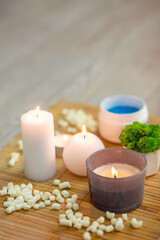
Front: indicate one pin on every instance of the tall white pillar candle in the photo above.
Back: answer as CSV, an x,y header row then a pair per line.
x,y
38,145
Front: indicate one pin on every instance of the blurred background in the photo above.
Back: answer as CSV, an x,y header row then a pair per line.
x,y
78,50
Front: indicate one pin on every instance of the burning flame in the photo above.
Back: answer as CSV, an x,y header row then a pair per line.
x,y
37,111
84,131
114,172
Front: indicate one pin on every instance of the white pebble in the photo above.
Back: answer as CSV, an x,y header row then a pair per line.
x,y
36,206
10,185
69,211
47,202
20,145
86,236
119,226
78,225
119,220
114,221
99,233
65,222
135,223
46,196
60,199
35,192
109,228
26,206
62,216
52,198
42,205
86,218
10,209
65,194
110,215
95,223
31,202
72,218
56,206
74,197
100,220
70,200
92,229
56,192
102,227
56,182
37,197
7,204
64,185
75,206
78,215
124,216
63,123
22,185
10,199
85,223
18,207
69,205
65,111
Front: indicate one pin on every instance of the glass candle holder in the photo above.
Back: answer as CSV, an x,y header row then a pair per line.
x,y
117,195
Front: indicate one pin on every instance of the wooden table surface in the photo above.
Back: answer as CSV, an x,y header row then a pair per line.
x,y
43,224
79,50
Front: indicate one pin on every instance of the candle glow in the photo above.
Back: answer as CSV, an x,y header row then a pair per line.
x,y
114,172
84,131
37,111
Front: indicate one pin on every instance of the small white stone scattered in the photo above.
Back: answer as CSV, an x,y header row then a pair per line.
x,y
125,216
42,205
56,192
52,198
85,223
36,206
75,206
86,218
95,223
69,211
135,223
26,206
62,216
64,185
110,215
56,206
92,229
99,232
31,202
78,225
13,159
65,111
114,221
37,197
119,226
74,197
100,220
78,215
18,207
69,205
46,196
69,200
102,227
7,204
47,202
35,192
60,199
56,182
65,222
109,228
65,194
10,209
86,236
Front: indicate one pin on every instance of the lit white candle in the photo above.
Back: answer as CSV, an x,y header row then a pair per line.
x,y
38,145
116,170
78,149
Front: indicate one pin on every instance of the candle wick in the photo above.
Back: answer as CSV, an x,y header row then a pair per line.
x,y
115,176
84,136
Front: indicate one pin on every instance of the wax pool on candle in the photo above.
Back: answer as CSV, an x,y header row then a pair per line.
x,y
122,170
38,145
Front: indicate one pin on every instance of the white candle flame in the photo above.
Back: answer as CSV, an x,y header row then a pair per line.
x,y
84,131
37,111
114,172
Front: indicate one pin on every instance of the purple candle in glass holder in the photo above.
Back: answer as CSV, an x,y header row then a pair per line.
x,y
120,190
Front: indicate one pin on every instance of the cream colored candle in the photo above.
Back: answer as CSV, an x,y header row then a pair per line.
x,y
38,145
116,170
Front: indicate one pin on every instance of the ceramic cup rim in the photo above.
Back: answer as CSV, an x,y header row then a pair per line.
x,y
116,179
105,100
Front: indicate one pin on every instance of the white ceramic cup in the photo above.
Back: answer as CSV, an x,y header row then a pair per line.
x,y
111,124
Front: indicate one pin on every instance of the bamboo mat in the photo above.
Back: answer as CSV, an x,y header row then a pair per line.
x,y
43,224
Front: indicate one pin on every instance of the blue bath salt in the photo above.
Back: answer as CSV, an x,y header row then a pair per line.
x,y
123,109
